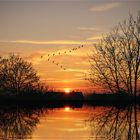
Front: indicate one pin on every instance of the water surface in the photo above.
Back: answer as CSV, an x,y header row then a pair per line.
x,y
69,123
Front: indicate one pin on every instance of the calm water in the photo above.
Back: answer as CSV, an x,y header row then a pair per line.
x,y
69,123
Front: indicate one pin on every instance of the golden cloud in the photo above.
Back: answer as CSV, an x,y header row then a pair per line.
x,y
105,7
52,42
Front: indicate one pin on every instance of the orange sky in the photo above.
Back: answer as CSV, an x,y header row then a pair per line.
x,y
34,28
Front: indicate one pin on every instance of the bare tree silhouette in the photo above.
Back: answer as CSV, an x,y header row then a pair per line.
x,y
18,122
116,124
115,62
16,74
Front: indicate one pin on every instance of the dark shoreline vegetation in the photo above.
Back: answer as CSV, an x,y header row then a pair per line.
x,y
61,99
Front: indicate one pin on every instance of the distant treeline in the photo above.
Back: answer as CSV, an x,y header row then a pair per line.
x,y
49,96
76,98
111,99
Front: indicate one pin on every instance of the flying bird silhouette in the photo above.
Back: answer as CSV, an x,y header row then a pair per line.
x,y
59,53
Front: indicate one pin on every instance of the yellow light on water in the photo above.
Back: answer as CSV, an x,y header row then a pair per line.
x,y
67,109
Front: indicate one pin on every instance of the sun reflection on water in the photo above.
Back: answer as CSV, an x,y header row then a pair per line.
x,y
67,109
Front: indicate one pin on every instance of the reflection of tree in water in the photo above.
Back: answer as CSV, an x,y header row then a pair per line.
x,y
18,123
116,124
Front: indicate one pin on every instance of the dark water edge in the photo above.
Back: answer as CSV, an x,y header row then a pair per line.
x,y
71,103
73,99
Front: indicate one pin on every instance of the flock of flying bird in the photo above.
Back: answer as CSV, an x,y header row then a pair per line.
x,y
59,53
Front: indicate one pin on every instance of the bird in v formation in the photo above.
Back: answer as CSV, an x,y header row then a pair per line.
x,y
73,49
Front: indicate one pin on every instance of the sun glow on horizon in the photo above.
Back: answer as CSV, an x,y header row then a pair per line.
x,y
67,90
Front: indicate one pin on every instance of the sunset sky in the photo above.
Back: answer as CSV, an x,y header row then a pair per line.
x,y
36,28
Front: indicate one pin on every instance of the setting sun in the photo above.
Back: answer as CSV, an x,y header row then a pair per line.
x,y
67,90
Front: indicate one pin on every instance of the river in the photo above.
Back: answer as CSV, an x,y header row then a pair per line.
x,y
69,122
